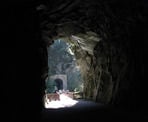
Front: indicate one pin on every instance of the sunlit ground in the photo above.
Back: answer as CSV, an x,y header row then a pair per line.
x,y
64,102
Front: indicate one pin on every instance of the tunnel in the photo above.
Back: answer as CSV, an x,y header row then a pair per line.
x,y
59,84
109,40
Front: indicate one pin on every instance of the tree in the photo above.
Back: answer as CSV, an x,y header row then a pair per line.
x,y
61,61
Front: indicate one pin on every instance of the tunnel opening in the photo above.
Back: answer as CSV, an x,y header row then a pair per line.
x,y
64,84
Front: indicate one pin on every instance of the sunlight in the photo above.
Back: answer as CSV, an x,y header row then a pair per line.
x,y
64,102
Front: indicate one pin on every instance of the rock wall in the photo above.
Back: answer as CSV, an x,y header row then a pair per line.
x,y
112,62
22,63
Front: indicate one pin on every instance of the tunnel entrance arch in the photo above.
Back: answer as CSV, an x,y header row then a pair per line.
x,y
60,81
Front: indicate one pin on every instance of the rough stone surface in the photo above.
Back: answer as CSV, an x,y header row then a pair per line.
x,y
105,36
110,45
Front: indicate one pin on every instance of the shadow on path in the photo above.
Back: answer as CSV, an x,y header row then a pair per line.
x,y
90,111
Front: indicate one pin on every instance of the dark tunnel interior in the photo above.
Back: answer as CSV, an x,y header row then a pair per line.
x,y
109,39
59,83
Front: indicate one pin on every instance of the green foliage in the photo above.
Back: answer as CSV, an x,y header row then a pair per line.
x,y
75,80
62,61
58,57
50,86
